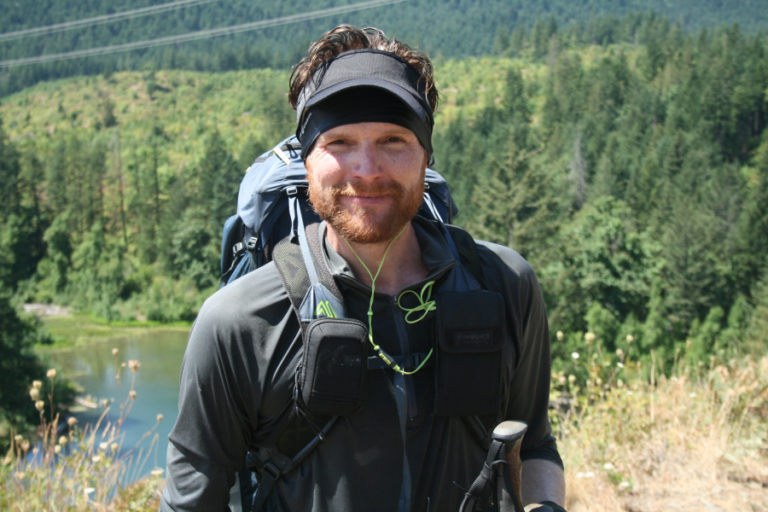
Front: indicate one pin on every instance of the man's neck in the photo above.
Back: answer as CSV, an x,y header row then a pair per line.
x,y
403,264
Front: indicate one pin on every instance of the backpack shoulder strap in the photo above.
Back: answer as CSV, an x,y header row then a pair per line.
x,y
289,259
300,268
293,272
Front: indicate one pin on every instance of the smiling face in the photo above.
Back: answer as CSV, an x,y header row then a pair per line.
x,y
366,179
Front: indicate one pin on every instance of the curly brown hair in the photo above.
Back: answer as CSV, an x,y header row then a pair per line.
x,y
346,37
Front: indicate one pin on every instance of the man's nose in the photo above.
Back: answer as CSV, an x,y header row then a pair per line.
x,y
367,161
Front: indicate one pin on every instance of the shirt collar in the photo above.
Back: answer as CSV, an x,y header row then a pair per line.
x,y
435,250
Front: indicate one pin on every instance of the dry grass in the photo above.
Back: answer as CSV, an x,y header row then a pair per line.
x,y
686,443
692,442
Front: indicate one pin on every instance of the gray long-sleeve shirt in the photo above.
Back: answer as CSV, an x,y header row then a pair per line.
x,y
237,383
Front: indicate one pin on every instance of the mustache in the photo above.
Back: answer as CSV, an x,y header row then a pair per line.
x,y
375,189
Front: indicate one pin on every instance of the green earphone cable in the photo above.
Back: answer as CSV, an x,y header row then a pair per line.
x,y
426,304
424,307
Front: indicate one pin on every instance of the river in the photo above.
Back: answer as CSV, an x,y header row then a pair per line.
x,y
94,367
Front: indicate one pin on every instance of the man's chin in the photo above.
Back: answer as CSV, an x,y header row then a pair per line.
x,y
366,235
367,232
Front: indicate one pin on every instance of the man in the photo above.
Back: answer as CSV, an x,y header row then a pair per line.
x,y
459,352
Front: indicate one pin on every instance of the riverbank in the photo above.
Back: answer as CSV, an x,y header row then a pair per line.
x,y
69,328
126,380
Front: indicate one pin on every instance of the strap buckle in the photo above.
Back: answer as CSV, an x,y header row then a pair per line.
x,y
270,471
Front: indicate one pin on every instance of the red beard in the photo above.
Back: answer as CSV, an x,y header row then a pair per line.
x,y
359,224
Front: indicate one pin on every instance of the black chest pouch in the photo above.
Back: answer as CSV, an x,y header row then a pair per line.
x,y
469,355
332,378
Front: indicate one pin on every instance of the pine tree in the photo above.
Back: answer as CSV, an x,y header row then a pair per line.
x,y
219,179
752,230
21,225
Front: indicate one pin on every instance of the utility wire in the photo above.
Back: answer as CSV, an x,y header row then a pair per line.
x,y
194,36
99,20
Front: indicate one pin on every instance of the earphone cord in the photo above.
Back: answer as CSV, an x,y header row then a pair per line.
x,y
425,307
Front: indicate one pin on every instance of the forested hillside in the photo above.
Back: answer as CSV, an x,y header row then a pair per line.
x,y
444,28
635,179
633,176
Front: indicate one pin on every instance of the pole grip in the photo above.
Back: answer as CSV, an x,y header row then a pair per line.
x,y
509,486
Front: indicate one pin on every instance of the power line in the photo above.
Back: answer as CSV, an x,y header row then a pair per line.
x,y
194,36
99,20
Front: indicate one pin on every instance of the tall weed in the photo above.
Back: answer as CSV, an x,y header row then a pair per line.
x,y
62,467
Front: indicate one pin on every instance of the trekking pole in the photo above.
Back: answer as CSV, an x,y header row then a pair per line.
x,y
499,483
509,482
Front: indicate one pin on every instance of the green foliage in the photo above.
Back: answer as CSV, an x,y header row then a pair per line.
x,y
168,299
20,222
97,274
704,335
757,332
20,249
603,324
752,224
625,158
195,248
603,259
219,176
9,172
53,270
19,366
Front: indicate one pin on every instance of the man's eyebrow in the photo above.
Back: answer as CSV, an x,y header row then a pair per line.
x,y
330,135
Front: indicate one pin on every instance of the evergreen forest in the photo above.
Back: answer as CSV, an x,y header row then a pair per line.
x,y
281,31
623,153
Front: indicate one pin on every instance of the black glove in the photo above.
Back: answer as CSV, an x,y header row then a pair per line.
x,y
547,506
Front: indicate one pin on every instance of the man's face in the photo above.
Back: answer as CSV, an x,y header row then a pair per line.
x,y
366,179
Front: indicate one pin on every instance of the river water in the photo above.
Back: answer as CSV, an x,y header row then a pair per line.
x,y
93,367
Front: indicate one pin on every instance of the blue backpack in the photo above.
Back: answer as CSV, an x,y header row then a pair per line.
x,y
272,202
